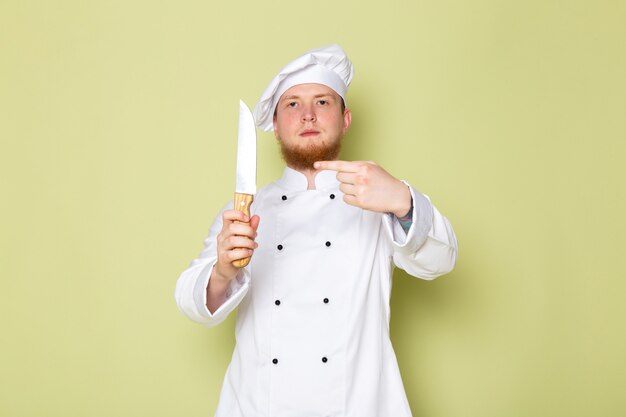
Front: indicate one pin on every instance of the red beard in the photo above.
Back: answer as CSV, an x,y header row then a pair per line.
x,y
302,158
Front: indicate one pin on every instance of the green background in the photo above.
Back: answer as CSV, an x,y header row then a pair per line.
x,y
118,123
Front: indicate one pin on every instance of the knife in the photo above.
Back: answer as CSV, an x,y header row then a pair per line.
x,y
245,188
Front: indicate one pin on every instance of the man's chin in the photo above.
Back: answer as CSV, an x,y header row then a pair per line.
x,y
302,158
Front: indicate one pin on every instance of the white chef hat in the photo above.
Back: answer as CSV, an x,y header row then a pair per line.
x,y
327,65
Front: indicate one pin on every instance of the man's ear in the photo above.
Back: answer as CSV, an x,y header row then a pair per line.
x,y
275,126
347,119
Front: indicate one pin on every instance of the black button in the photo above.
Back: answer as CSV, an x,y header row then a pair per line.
x,y
327,243
280,247
332,196
324,359
277,302
274,361
326,300
284,197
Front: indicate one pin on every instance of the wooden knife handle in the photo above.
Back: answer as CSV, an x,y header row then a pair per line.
x,y
242,203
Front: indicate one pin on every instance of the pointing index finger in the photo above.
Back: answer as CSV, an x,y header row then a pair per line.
x,y
341,166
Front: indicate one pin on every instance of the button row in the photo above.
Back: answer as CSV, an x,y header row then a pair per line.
x,y
275,361
284,197
325,300
281,247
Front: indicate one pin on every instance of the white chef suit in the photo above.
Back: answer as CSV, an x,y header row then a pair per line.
x,y
312,331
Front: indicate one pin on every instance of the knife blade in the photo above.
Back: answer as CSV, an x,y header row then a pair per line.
x,y
245,187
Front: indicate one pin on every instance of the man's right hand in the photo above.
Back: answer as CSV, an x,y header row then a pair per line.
x,y
235,241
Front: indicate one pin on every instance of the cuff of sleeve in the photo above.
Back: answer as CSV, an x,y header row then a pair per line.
x,y
235,293
422,218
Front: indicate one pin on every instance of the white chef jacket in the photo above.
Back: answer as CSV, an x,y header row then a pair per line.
x,y
312,331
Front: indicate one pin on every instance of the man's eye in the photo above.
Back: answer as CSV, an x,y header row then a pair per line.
x,y
323,102
292,104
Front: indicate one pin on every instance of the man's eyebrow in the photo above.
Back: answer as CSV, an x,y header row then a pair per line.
x,y
291,97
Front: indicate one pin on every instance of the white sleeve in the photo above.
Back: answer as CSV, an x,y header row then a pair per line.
x,y
190,293
429,249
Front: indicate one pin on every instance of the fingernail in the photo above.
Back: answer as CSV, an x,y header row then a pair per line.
x,y
316,165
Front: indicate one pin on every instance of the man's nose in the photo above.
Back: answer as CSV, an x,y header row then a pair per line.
x,y
308,114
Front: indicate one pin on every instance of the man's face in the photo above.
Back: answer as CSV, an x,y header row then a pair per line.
x,y
309,124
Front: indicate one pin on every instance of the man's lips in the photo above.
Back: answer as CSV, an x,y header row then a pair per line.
x,y
309,132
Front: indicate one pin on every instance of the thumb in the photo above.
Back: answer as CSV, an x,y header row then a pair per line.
x,y
254,222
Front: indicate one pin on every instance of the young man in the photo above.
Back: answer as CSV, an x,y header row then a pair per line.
x,y
313,321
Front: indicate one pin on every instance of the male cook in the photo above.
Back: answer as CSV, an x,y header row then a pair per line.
x,y
312,327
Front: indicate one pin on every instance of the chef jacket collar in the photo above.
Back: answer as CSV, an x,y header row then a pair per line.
x,y
296,181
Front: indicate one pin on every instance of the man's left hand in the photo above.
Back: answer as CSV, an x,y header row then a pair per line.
x,y
370,187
